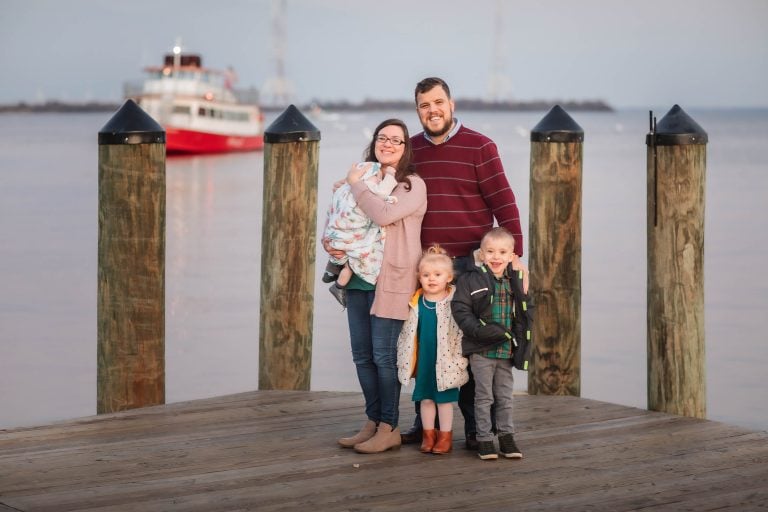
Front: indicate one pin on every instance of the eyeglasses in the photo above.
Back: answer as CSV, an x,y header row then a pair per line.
x,y
395,141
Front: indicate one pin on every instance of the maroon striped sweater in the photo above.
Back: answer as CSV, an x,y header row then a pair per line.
x,y
466,189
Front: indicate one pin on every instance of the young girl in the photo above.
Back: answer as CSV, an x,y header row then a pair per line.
x,y
429,349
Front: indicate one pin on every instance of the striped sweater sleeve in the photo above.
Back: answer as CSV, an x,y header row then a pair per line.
x,y
497,192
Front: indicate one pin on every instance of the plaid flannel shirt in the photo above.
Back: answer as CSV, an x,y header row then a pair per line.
x,y
502,313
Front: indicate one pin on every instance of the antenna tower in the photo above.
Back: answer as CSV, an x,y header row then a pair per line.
x,y
278,90
499,84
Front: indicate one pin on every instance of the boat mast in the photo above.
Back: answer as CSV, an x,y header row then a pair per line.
x,y
176,56
168,93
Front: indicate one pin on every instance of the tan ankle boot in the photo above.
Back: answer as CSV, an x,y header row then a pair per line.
x,y
386,438
367,432
444,442
428,440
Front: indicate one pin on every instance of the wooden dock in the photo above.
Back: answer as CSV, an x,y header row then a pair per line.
x,y
276,450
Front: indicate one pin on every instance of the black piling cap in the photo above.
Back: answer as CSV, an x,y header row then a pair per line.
x,y
675,129
291,126
557,126
131,125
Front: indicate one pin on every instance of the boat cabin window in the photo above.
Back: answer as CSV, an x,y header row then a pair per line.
x,y
182,109
222,114
209,112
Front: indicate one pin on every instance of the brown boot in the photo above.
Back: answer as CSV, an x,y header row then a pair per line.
x,y
428,440
444,442
369,428
386,438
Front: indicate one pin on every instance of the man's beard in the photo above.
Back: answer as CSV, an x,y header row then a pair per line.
x,y
442,131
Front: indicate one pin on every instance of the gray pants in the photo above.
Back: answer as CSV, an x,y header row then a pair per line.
x,y
493,385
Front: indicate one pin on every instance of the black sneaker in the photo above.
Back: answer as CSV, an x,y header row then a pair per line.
x,y
486,450
471,442
331,272
340,294
508,448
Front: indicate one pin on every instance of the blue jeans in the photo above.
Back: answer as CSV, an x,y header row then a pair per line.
x,y
374,352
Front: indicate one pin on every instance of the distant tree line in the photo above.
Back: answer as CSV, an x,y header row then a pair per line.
x,y
466,104
61,106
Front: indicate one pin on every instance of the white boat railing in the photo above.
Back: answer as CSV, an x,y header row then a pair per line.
x,y
135,90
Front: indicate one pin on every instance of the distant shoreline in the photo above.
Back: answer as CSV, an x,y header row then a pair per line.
x,y
59,107
465,104
335,106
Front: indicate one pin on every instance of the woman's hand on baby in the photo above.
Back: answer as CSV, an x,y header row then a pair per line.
x,y
335,253
356,172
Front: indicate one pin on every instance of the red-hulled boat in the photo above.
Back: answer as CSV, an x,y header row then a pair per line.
x,y
198,107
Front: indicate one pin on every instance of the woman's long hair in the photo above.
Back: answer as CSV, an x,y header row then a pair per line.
x,y
404,166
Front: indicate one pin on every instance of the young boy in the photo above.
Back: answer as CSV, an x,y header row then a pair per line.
x,y
493,309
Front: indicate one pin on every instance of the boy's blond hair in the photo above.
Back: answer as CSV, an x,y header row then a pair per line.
x,y
498,233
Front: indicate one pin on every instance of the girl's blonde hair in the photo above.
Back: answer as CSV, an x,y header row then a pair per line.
x,y
436,255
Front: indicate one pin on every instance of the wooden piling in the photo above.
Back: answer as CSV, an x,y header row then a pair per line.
x,y
131,262
288,252
555,254
676,167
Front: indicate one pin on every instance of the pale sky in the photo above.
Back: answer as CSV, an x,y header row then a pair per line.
x,y
647,54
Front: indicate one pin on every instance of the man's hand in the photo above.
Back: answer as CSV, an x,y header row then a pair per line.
x,y
518,265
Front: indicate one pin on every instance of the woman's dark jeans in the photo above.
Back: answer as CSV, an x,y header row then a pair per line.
x,y
374,352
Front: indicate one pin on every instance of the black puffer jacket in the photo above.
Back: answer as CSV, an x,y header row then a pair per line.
x,y
472,307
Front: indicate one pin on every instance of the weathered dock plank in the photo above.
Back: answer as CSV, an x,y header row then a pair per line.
x,y
276,450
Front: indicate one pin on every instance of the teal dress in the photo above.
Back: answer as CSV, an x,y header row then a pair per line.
x,y
426,380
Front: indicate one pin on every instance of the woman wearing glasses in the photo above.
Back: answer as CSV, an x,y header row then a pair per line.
x,y
376,311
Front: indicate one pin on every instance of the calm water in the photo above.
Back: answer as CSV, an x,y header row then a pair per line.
x,y
48,225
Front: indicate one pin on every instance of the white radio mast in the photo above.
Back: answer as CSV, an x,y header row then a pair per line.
x,y
278,91
499,84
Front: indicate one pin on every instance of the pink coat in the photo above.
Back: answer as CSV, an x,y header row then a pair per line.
x,y
402,248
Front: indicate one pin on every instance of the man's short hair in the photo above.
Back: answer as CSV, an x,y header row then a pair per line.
x,y
430,83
